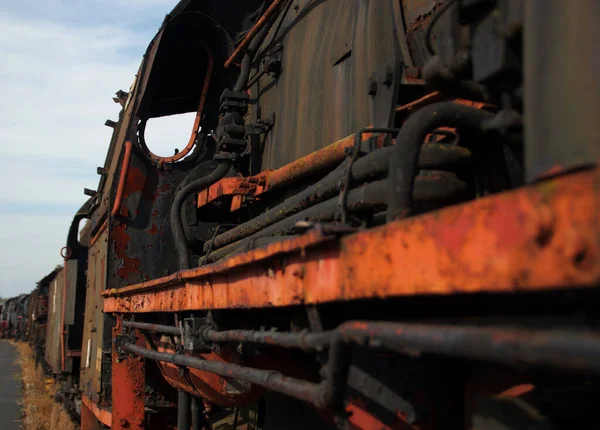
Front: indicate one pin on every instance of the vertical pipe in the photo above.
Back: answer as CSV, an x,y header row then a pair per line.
x,y
183,410
253,31
63,332
196,413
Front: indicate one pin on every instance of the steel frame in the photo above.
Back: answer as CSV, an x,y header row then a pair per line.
x,y
543,236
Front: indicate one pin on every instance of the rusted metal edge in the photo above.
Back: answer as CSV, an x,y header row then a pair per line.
x,y
321,160
404,111
103,415
301,244
99,232
540,237
237,186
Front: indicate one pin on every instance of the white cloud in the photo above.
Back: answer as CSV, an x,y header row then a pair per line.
x,y
57,80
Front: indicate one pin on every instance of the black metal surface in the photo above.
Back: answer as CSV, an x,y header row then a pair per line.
x,y
562,89
440,77
77,249
403,164
323,98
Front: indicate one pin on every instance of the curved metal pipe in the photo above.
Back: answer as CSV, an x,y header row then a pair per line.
x,y
370,197
403,164
242,81
433,156
175,215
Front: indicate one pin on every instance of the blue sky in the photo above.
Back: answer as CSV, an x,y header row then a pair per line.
x,y
61,63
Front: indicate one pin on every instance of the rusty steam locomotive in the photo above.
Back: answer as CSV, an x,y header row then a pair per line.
x,y
387,216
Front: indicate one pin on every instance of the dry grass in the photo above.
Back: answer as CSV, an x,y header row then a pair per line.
x,y
40,411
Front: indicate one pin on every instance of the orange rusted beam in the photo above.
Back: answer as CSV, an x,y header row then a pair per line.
x,y
318,161
102,415
540,237
240,186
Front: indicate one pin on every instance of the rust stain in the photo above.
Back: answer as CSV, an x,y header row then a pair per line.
x,y
129,375
135,181
210,386
120,241
102,415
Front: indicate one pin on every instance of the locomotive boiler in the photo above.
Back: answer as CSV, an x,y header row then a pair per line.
x,y
386,217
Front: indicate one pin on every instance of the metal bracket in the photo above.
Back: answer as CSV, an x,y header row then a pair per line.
x,y
261,126
192,335
122,338
345,183
383,88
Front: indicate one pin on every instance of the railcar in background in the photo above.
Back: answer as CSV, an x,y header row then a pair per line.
x,y
38,316
66,303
